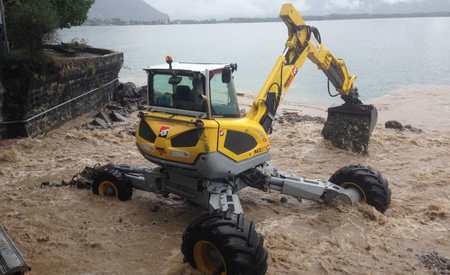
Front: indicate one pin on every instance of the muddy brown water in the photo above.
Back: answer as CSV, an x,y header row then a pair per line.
x,y
70,231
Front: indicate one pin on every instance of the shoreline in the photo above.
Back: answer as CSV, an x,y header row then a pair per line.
x,y
311,18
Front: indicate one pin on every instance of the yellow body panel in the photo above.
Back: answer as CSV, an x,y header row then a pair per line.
x,y
212,139
176,125
247,126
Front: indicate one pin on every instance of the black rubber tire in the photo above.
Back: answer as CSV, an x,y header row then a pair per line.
x,y
371,182
124,188
237,240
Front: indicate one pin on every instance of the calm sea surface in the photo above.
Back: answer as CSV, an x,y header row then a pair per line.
x,y
386,54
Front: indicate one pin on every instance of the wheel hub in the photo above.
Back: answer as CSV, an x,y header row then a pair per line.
x,y
354,191
208,259
108,189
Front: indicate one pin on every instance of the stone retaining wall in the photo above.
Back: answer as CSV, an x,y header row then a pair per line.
x,y
35,104
2,92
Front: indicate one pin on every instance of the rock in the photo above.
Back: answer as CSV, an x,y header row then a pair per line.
x,y
294,117
100,123
132,90
114,107
268,200
133,107
45,184
132,132
89,126
142,91
94,245
413,129
434,212
126,90
117,117
43,239
393,124
435,262
104,116
129,97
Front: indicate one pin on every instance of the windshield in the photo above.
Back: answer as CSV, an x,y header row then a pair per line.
x,y
183,91
223,97
186,91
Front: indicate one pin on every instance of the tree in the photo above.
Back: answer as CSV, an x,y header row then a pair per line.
x,y
29,21
72,12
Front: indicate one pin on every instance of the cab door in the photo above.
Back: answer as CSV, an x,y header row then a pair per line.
x,y
239,138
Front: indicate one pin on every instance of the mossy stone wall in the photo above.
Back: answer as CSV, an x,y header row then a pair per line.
x,y
35,104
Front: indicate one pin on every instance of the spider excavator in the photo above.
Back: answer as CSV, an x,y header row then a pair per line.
x,y
206,151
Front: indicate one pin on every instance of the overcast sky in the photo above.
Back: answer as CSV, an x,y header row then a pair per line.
x,y
204,9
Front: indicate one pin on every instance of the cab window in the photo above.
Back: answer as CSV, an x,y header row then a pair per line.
x,y
223,97
178,92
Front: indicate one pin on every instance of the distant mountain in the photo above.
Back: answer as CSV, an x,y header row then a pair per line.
x,y
126,10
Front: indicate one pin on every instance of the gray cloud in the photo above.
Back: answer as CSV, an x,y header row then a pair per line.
x,y
220,8
203,9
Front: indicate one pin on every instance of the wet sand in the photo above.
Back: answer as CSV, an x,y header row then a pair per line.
x,y
70,231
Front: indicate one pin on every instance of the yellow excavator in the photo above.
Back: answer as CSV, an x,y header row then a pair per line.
x,y
206,151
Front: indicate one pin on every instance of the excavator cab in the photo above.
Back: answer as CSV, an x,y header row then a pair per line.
x,y
204,90
194,119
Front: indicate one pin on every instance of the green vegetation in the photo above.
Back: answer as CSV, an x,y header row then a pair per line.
x,y
71,12
30,22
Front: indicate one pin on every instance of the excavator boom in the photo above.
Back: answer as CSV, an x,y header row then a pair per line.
x,y
304,42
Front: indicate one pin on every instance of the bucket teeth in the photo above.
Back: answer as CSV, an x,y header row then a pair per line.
x,y
350,126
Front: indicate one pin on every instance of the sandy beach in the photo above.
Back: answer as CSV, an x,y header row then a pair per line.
x,y
70,231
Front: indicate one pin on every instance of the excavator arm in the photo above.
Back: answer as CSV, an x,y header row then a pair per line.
x,y
304,42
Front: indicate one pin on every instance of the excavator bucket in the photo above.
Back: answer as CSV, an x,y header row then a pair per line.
x,y
350,126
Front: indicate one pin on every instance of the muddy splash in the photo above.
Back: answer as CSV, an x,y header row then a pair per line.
x,y
70,231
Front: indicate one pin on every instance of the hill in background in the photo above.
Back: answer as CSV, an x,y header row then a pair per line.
x,y
124,12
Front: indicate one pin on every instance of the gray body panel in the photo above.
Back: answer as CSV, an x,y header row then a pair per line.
x,y
221,194
213,165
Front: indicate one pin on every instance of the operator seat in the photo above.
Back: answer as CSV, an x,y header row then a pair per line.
x,y
184,98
